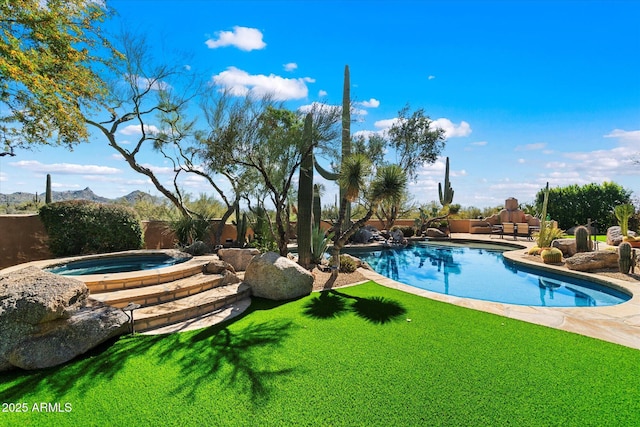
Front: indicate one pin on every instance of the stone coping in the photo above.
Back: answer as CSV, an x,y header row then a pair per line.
x,y
145,277
618,324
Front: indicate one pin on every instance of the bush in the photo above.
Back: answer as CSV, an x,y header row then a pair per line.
x,y
407,231
77,227
347,264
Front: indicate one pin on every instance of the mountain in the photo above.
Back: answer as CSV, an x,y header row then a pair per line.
x,y
86,194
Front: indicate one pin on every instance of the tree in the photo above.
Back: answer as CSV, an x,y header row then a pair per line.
x,y
388,183
49,69
262,140
415,141
573,205
143,93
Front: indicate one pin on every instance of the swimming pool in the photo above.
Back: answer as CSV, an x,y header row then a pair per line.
x,y
483,273
116,264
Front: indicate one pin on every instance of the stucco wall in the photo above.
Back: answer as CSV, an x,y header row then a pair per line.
x,y
23,237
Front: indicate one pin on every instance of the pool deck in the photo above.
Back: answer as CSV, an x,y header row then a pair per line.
x,y
618,324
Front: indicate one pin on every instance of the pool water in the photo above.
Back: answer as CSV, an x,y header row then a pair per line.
x,y
115,264
483,273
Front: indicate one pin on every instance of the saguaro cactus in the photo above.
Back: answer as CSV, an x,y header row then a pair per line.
x,y
346,140
582,239
446,193
317,207
47,193
624,257
305,194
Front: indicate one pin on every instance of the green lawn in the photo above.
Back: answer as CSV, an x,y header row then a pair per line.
x,y
364,355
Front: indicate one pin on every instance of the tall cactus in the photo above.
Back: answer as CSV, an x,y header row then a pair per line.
x,y
317,207
583,243
47,193
242,224
624,257
346,141
446,194
305,194
623,213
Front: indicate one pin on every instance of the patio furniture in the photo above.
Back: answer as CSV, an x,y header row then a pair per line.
x,y
508,228
523,229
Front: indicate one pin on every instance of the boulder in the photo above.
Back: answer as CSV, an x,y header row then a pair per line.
x,y
61,340
44,320
363,236
567,246
591,261
218,266
238,258
614,235
229,278
277,278
435,232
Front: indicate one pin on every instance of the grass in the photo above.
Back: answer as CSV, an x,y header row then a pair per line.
x,y
363,355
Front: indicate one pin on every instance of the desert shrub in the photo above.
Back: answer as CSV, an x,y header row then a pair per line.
x,y
347,264
77,227
189,229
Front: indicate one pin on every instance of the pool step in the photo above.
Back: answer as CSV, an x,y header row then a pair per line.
x,y
177,298
183,309
139,279
164,292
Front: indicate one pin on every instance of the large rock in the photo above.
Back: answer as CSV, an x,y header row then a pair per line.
x,y
217,266
44,320
567,246
591,261
238,258
436,233
278,278
57,342
614,235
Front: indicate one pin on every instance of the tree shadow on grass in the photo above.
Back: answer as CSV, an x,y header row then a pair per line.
x,y
326,306
203,354
331,304
238,359
99,364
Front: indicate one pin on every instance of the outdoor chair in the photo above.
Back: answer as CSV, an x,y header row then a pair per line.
x,y
508,228
523,229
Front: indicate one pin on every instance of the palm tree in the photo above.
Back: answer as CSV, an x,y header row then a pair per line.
x,y
388,184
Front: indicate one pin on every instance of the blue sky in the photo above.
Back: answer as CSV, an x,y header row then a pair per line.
x,y
528,92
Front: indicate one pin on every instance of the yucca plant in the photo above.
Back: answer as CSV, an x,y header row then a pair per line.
x,y
319,244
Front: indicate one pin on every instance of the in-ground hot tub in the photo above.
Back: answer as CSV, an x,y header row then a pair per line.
x,y
118,262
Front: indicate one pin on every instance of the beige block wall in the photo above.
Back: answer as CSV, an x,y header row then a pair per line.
x,y
24,239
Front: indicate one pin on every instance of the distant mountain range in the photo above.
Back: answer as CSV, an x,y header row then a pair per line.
x,y
86,194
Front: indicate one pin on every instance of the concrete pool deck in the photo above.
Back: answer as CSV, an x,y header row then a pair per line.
x,y
618,324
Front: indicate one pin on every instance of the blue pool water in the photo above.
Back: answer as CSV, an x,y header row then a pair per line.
x,y
115,264
483,273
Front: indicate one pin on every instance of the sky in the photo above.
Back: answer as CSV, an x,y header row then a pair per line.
x,y
528,92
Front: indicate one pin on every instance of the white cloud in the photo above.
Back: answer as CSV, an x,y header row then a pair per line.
x,y
521,161
3,176
372,103
160,170
243,38
65,168
322,93
531,147
431,77
137,130
385,124
241,83
632,136
452,130
479,143
291,66
187,67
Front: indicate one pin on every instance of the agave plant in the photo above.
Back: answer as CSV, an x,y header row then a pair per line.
x,y
319,244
